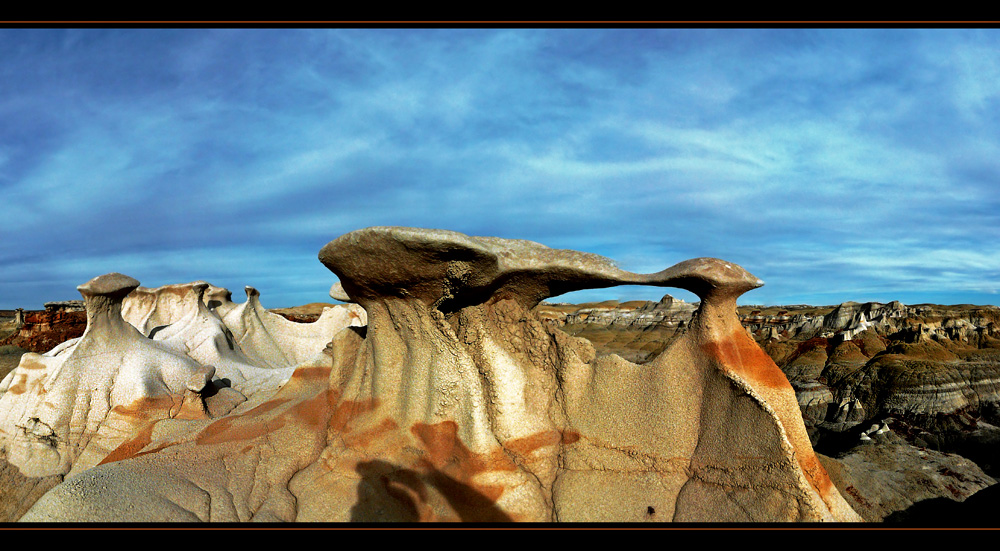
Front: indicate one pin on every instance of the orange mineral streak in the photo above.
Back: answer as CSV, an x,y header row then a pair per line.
x,y
148,407
446,451
28,364
359,437
266,418
265,407
131,448
366,439
570,437
349,410
240,427
313,412
20,385
139,411
816,474
741,354
310,374
453,466
526,445
448,456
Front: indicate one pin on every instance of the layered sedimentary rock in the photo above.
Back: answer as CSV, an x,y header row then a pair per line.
x,y
883,476
40,331
637,331
933,370
904,361
669,312
457,403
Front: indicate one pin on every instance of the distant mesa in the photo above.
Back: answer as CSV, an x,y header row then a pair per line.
x,y
437,394
65,306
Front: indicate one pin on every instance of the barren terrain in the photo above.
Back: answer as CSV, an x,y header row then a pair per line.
x,y
446,390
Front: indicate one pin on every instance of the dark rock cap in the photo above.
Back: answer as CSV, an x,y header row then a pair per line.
x,y
441,266
112,285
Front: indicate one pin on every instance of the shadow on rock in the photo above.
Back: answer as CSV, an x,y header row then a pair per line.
x,y
979,510
389,493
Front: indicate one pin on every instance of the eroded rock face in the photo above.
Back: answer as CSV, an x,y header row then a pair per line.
x,y
74,404
555,422
146,355
935,367
457,402
41,331
884,476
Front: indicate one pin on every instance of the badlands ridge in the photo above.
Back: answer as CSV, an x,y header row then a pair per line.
x,y
444,391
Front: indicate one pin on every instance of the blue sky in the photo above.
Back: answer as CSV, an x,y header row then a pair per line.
x,y
834,164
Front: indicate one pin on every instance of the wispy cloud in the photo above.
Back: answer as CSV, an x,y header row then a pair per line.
x,y
827,171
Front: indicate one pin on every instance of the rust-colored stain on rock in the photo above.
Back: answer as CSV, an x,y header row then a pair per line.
x,y
815,473
741,354
265,407
28,364
312,412
310,374
570,437
744,357
526,445
447,453
131,448
147,407
20,385
252,424
365,438
232,429
348,410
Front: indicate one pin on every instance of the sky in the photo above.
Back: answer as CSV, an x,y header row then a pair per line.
x,y
834,164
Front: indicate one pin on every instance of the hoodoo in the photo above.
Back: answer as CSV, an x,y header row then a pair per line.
x,y
455,403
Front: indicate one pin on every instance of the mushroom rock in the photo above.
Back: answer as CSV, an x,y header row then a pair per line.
x,y
66,409
457,403
469,408
182,326
261,350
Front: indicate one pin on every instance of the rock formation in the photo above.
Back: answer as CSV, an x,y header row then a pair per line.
x,y
636,331
935,366
883,475
455,402
497,397
39,331
146,355
72,406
